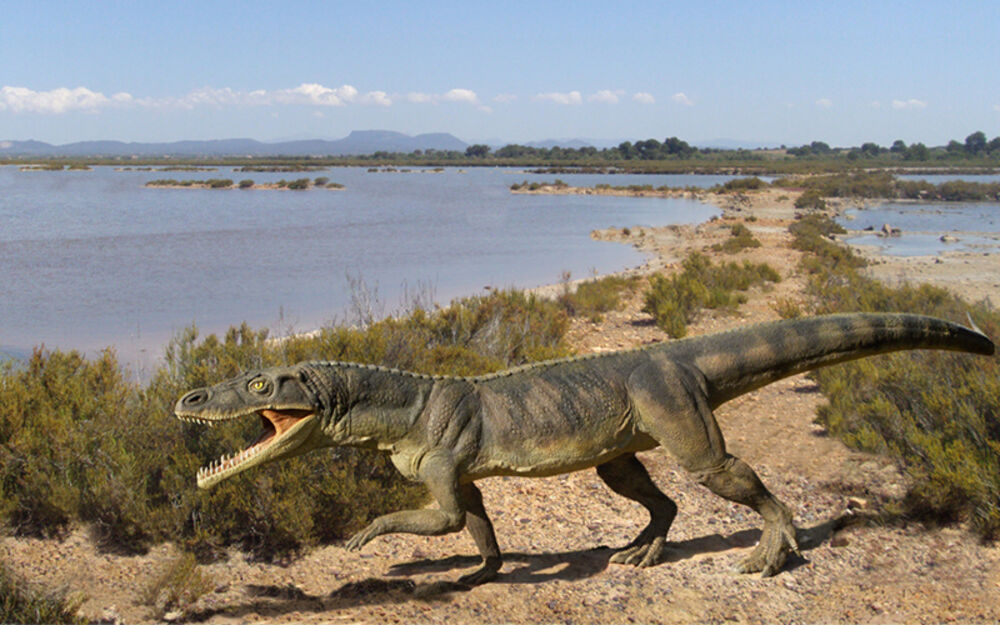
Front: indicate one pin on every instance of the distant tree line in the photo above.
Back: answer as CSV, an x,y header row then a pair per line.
x,y
975,146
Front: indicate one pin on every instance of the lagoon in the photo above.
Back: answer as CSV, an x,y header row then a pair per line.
x,y
90,259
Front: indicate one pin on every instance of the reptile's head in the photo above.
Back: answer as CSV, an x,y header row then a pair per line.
x,y
287,409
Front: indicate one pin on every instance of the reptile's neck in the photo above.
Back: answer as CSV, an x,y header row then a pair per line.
x,y
368,406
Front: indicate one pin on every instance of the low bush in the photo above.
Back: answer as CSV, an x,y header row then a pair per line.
x,y
740,239
674,301
593,298
742,184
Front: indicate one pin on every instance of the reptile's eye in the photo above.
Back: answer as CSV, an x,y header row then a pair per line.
x,y
259,385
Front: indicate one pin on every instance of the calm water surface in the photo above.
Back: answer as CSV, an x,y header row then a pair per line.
x,y
975,224
93,258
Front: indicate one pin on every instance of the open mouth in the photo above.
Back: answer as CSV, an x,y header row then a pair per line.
x,y
276,426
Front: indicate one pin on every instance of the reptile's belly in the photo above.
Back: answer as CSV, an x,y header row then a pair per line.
x,y
541,447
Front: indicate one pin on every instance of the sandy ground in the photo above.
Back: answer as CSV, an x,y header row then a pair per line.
x,y
557,533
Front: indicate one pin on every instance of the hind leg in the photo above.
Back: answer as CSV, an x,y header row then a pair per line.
x,y
673,408
736,481
628,477
481,529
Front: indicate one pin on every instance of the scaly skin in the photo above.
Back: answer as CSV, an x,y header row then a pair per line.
x,y
555,417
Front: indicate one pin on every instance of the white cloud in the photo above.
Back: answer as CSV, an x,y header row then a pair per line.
x,y
606,96
644,98
681,98
504,98
377,98
420,98
61,100
824,103
461,95
909,104
571,98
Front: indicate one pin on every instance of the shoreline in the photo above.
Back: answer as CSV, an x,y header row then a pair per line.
x,y
972,273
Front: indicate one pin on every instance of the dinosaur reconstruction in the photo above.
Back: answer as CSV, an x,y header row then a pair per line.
x,y
554,417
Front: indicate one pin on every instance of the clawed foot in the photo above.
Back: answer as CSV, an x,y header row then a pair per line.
x,y
777,541
644,551
363,537
486,573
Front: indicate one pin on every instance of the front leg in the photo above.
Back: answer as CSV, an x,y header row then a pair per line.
x,y
439,473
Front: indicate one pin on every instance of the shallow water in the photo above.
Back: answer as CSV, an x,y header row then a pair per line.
x,y
93,258
922,225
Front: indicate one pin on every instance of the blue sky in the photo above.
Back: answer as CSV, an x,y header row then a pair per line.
x,y
768,72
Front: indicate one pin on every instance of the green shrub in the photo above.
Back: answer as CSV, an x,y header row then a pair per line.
x,y
593,298
740,239
299,184
742,184
811,198
246,183
674,301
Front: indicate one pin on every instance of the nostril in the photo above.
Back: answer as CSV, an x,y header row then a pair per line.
x,y
196,397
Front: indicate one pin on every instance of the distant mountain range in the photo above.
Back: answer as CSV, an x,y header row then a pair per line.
x,y
358,142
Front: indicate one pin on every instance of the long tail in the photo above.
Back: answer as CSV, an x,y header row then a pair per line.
x,y
742,360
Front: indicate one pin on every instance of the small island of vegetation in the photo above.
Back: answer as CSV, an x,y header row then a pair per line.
x,y
299,184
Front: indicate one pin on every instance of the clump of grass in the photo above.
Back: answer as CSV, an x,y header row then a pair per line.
x,y
593,298
674,301
740,239
178,586
21,603
937,414
787,308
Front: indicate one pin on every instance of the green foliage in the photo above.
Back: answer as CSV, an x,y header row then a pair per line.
x,y
740,239
79,442
21,603
246,183
212,183
811,198
593,298
814,234
936,413
742,184
674,301
298,184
